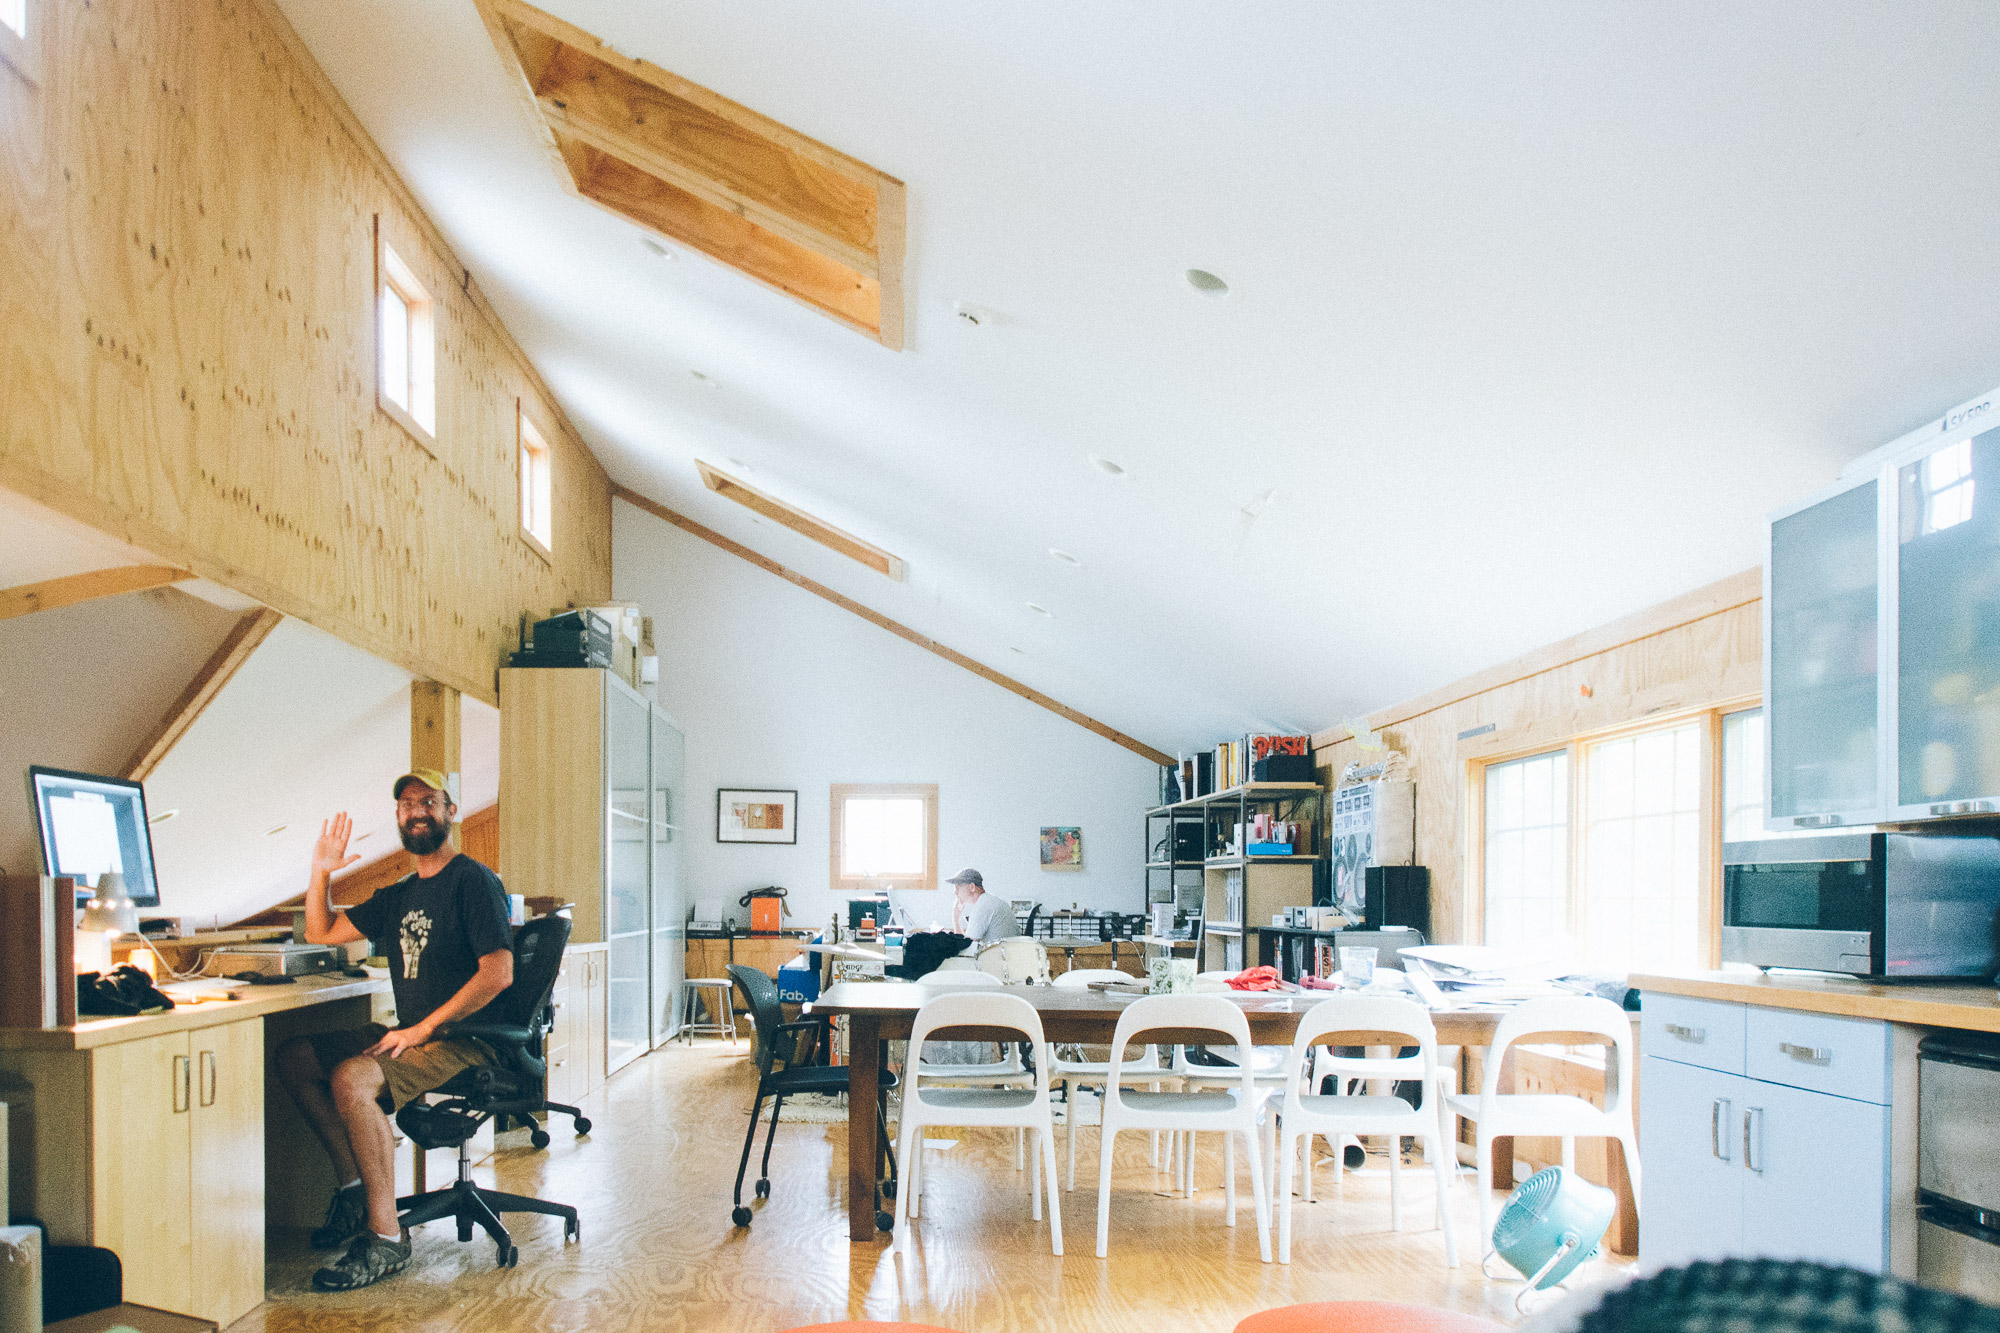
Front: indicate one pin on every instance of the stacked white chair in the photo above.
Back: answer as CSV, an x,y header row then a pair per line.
x,y
1232,1112
1306,1114
1018,1108
1499,1115
1017,961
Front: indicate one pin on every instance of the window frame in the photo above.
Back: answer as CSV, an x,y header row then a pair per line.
x,y
841,792
393,273
530,441
20,51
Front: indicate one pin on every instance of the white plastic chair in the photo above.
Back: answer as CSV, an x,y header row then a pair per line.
x,y
1076,1076
1021,1109
1231,1112
1016,961
1500,1115
1006,1072
1338,1116
1270,1069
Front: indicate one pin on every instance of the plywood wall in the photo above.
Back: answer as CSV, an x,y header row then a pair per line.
x,y
1704,650
187,217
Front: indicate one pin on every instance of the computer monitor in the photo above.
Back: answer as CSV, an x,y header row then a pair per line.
x,y
90,825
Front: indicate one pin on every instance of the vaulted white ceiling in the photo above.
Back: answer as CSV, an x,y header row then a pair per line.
x,y
1534,309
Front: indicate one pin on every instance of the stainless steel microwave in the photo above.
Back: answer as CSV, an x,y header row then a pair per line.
x,y
1891,905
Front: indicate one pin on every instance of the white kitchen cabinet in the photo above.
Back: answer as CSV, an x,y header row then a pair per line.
x,y
1693,1205
1815,1176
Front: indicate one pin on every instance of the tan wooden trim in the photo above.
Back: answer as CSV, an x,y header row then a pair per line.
x,y
1603,718
838,792
891,233
221,667
50,594
799,521
1722,595
901,631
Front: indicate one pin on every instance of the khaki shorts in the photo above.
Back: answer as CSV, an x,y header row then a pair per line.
x,y
408,1076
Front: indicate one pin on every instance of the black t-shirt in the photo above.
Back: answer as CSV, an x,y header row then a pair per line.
x,y
434,932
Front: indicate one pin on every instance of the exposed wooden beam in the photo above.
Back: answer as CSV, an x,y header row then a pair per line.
x,y
799,521
901,631
435,713
223,663
52,593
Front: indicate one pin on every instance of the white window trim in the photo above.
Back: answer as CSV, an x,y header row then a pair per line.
x,y
22,52
840,792
420,418
531,439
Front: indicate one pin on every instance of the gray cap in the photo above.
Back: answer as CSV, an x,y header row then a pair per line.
x,y
968,876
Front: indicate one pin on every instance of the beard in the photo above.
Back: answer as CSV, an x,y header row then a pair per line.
x,y
424,834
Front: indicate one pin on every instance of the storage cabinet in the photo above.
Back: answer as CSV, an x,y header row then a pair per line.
x,y
590,775
712,957
577,1044
1748,1154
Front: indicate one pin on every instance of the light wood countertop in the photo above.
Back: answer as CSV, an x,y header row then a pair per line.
x,y
256,1002
1974,1008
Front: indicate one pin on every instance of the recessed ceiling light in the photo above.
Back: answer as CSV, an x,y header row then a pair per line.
x,y
275,830
163,816
702,379
1106,466
1206,283
1041,610
1065,556
664,252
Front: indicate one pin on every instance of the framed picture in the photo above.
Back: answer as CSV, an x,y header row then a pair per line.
x,y
1062,849
746,815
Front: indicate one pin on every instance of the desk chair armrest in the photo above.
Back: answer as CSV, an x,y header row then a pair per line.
x,y
506,1034
816,1026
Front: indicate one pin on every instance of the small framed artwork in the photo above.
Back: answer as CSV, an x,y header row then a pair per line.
x,y
1062,849
746,815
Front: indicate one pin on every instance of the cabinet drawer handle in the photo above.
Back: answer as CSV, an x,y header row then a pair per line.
x,y
1753,1116
208,1078
181,1063
1687,1033
1811,1055
1718,1111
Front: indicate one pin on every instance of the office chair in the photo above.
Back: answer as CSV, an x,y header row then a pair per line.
x,y
784,1069
513,1025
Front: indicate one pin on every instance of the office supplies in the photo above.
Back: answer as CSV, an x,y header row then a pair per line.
x,y
91,825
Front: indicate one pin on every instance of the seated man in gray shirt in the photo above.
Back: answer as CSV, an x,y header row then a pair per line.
x,y
978,915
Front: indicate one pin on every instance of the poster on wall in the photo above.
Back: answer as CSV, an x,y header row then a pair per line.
x,y
748,815
1062,849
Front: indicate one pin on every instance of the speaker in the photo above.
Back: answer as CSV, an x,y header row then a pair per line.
x,y
1397,896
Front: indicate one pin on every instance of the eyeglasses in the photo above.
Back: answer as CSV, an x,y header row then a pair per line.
x,y
431,803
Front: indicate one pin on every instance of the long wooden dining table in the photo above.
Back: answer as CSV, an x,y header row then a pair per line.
x,y
875,1012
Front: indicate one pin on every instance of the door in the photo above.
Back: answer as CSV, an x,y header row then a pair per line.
x,y
227,1123
142,1095
1814,1177
669,893
1693,1157
628,874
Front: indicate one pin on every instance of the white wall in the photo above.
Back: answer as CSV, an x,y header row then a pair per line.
x,y
779,688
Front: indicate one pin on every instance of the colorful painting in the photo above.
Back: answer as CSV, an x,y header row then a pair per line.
x,y
746,815
1062,849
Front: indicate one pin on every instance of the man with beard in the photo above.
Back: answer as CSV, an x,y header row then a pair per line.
x,y
444,931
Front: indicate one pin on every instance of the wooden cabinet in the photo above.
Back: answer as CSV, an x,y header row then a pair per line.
x,y
766,953
177,1167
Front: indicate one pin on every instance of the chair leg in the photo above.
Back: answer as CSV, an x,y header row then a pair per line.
x,y
1569,1152
1288,1150
1035,1184
1229,1180
882,1138
749,1142
1629,1141
1435,1149
1048,1148
1260,1192
777,1106
906,1206
1395,1182
1483,1155
1105,1139
1020,1140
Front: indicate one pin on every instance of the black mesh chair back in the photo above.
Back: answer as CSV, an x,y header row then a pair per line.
x,y
766,1011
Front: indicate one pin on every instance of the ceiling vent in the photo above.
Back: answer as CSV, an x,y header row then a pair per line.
x,y
714,176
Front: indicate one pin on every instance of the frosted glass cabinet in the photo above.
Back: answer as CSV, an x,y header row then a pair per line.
x,y
590,798
1882,642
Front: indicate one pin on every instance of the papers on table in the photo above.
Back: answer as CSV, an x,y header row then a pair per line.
x,y
1460,976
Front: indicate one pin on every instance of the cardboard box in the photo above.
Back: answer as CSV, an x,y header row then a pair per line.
x,y
798,980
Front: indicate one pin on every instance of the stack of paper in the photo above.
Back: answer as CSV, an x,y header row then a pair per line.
x,y
1458,976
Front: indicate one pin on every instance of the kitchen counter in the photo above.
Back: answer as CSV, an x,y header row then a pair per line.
x,y
1970,1007
255,1002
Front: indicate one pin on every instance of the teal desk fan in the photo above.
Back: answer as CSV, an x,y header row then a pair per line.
x,y
1552,1223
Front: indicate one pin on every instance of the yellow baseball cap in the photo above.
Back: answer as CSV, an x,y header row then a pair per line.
x,y
430,777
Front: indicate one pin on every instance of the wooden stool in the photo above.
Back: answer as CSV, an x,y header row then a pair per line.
x,y
1365,1317
721,1008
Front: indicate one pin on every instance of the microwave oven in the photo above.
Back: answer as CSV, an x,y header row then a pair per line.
x,y
1889,905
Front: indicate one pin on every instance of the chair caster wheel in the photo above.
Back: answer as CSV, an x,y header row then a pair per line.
x,y
582,1125
741,1216
539,1137
764,1189
572,1230
888,1189
510,1256
885,1221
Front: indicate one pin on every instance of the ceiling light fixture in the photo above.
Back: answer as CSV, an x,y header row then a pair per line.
x,y
1065,557
1106,466
1041,610
163,816
703,380
1206,283
977,316
664,252
275,830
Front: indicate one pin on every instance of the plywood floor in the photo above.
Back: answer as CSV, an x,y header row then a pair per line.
x,y
658,1251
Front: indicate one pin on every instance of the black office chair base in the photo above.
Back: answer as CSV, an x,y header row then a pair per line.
x,y
579,1122
470,1206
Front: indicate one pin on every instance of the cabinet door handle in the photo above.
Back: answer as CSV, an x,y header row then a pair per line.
x,y
181,1063
1696,1035
1719,1110
1810,1055
1751,1137
208,1078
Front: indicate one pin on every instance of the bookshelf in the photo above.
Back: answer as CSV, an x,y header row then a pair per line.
x,y
1196,859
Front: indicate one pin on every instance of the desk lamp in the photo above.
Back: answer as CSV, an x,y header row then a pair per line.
x,y
107,917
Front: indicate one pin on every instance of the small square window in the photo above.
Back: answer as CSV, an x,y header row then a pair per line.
x,y
537,523
884,836
406,344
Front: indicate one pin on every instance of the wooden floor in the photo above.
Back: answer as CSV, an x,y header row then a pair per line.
x,y
659,1253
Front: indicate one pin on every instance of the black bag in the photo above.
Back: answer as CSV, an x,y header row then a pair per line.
x,y
119,993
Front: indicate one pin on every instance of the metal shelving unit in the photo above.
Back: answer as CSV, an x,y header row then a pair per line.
x,y
1189,860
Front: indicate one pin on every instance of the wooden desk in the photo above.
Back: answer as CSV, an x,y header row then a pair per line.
x,y
878,1012
148,1136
